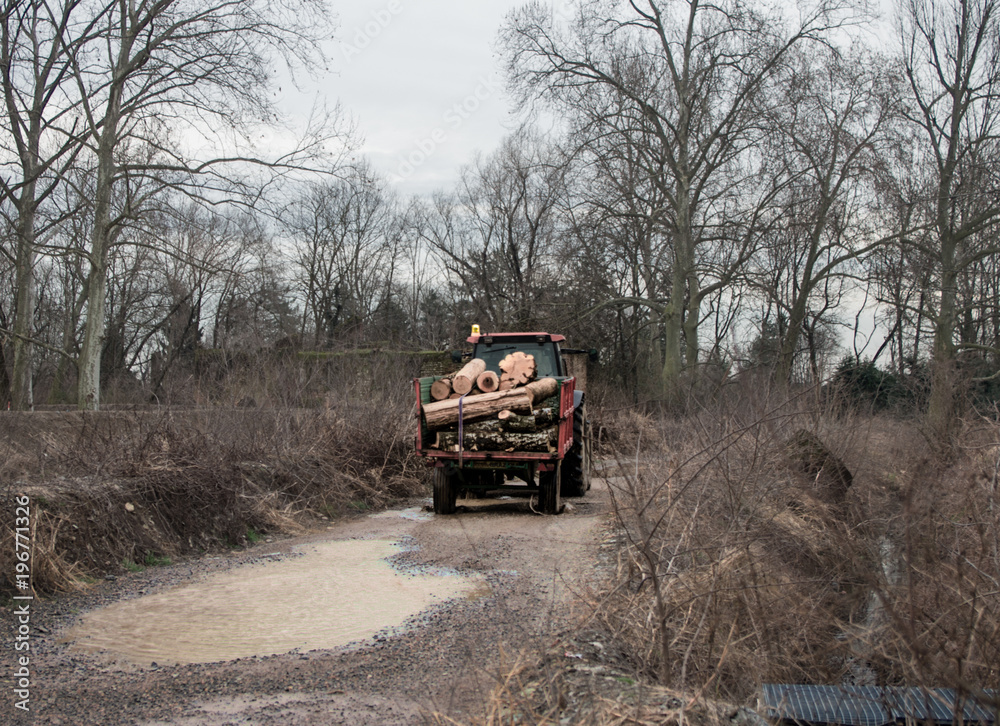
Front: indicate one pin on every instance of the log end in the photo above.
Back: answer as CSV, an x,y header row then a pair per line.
x,y
440,390
488,381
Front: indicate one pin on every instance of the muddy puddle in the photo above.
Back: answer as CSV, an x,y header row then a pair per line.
x,y
415,514
327,596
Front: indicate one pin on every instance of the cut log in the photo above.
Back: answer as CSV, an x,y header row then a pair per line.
x,y
544,416
488,381
486,425
520,400
506,385
442,413
541,389
453,396
465,379
518,368
517,424
498,441
440,390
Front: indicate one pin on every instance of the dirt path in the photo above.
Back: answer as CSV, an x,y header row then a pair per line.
x,y
529,565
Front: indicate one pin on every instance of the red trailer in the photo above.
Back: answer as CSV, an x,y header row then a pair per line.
x,y
562,471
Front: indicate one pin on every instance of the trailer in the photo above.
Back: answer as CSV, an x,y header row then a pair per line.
x,y
483,456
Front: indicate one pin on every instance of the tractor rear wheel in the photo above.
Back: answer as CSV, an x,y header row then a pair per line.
x,y
576,464
445,491
548,490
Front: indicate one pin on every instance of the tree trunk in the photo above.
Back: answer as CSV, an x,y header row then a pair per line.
x,y
941,410
672,363
463,381
24,310
89,385
544,416
440,390
790,337
4,380
514,423
488,381
444,413
490,425
495,441
518,368
683,262
692,321
541,389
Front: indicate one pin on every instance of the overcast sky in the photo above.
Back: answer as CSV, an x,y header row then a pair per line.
x,y
423,83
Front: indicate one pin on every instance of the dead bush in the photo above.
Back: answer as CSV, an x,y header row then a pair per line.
x,y
115,486
735,572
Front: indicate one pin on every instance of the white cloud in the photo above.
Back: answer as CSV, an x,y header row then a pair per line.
x,y
414,73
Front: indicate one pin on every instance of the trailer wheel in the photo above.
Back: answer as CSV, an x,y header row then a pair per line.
x,y
576,464
548,490
445,491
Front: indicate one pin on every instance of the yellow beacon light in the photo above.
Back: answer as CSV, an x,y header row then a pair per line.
x,y
475,330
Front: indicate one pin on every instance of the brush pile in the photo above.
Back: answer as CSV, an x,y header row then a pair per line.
x,y
477,410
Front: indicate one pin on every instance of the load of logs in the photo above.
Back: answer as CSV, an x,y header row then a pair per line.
x,y
498,413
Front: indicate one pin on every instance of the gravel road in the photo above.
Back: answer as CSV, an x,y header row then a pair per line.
x,y
444,663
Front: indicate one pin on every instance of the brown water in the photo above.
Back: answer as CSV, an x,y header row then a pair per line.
x,y
331,595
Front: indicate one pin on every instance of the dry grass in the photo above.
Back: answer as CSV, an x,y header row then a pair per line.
x,y
738,566
735,565
126,485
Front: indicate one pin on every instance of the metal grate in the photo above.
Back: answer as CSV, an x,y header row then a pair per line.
x,y
848,705
870,705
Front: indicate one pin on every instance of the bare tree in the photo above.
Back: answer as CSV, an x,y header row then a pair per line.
x,y
496,233
899,271
684,81
347,240
619,253
163,65
951,56
6,313
419,289
254,305
40,118
832,130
